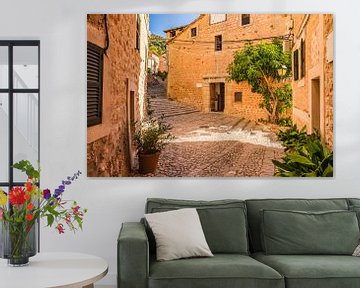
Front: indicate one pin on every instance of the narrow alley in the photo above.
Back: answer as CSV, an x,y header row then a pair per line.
x,y
212,144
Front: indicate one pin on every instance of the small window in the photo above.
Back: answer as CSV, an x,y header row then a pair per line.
x,y
193,32
238,96
245,19
302,58
172,33
138,32
296,64
218,42
94,84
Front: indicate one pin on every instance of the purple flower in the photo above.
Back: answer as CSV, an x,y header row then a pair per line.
x,y
58,192
68,181
46,194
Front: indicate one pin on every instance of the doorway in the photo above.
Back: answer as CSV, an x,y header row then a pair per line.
x,y
217,96
315,104
131,115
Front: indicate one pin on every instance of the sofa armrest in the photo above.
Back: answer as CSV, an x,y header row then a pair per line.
x,y
133,256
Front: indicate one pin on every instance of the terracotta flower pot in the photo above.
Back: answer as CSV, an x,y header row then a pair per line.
x,y
148,162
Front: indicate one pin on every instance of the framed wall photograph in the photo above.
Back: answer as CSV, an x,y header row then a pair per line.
x,y
210,95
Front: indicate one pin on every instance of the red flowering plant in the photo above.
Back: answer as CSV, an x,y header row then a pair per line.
x,y
22,206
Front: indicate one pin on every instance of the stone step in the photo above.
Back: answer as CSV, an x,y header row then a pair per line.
x,y
250,126
242,124
167,108
156,90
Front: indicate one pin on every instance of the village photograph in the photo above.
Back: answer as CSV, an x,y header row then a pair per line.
x,y
210,95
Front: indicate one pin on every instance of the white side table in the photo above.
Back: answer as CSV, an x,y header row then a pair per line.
x,y
50,270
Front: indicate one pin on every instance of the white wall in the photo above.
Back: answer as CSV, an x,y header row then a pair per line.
x,y
61,27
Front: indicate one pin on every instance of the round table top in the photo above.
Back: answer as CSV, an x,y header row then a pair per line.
x,y
59,269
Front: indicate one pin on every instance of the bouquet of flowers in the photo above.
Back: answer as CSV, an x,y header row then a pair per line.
x,y
23,206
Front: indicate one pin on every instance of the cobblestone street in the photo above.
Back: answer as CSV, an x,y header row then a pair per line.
x,y
212,144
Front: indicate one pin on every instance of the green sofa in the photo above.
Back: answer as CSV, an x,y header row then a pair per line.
x,y
236,234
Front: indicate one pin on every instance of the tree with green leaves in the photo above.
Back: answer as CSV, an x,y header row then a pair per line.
x,y
261,66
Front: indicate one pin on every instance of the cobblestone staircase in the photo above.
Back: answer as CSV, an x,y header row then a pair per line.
x,y
166,108
160,105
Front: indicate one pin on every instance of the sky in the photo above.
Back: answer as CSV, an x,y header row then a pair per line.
x,y
160,22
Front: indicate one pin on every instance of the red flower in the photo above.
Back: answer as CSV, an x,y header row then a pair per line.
x,y
29,206
29,217
27,196
17,196
60,228
75,209
68,219
29,186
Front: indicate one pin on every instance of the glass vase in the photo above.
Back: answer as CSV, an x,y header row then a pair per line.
x,y
18,242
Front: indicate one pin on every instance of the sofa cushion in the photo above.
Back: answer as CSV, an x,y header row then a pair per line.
x,y
313,271
222,270
178,234
356,209
223,221
254,217
297,232
353,201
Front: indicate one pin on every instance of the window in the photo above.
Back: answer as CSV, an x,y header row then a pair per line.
x,y
245,19
19,108
218,43
193,32
296,64
238,96
172,33
217,18
94,83
138,22
302,58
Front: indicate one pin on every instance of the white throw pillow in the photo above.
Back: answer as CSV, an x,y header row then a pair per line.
x,y
357,251
178,234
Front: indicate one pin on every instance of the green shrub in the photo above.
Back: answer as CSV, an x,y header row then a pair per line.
x,y
293,138
162,75
305,155
152,135
285,122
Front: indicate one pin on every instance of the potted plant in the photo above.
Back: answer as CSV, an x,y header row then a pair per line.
x,y
151,136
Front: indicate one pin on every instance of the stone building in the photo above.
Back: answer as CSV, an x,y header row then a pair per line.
x,y
157,63
313,73
153,63
116,83
199,54
172,32
163,65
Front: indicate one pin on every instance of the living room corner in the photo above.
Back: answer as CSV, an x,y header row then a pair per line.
x,y
61,28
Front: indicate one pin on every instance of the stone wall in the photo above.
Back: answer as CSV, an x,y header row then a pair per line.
x,y
305,27
108,143
329,79
163,66
144,44
314,30
194,63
